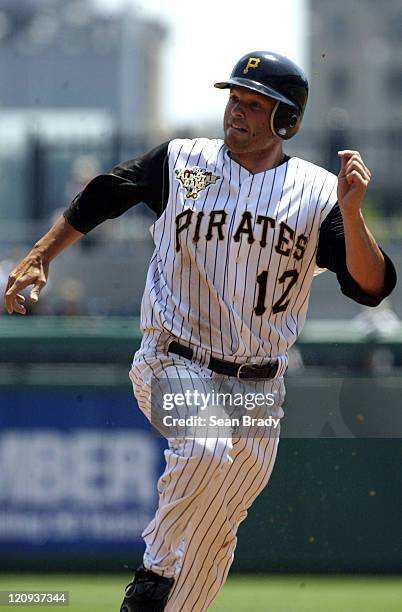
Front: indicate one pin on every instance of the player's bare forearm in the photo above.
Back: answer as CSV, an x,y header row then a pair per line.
x,y
364,259
34,268
60,236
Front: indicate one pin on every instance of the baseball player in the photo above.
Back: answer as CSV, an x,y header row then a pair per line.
x,y
241,230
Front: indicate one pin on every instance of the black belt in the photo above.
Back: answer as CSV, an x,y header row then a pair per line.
x,y
241,371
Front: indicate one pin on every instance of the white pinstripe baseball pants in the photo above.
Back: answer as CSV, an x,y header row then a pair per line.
x,y
204,492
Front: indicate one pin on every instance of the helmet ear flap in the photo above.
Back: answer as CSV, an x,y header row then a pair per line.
x,y
285,121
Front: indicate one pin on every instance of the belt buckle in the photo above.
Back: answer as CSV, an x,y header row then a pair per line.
x,y
250,365
240,369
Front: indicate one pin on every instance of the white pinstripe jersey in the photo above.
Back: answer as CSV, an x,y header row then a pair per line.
x,y
235,252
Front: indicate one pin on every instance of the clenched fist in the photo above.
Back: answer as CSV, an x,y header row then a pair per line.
x,y
353,180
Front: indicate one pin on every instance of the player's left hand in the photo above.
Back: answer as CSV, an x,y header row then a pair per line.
x,y
353,180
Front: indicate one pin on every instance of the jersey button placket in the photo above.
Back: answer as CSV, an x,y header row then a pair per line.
x,y
242,206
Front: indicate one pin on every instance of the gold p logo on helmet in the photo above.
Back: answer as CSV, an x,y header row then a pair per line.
x,y
251,63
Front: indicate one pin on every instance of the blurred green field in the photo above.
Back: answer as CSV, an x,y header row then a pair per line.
x,y
103,593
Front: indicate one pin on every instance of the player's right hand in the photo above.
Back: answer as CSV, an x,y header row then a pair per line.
x,y
31,270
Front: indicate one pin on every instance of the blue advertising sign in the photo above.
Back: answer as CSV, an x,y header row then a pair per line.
x,y
76,470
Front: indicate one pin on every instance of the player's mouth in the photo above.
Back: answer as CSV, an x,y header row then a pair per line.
x,y
238,128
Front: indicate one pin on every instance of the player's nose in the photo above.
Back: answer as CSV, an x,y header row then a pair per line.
x,y
237,109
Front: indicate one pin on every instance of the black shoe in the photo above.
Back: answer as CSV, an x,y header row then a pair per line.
x,y
148,592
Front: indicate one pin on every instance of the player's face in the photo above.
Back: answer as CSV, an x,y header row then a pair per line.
x,y
247,121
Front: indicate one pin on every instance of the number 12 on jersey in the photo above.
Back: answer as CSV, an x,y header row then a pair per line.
x,y
288,279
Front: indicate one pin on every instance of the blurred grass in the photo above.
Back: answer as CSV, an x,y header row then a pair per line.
x,y
103,593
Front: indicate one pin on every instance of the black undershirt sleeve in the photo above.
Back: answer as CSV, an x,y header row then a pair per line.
x,y
107,196
331,254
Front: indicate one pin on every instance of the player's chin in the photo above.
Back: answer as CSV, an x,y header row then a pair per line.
x,y
236,140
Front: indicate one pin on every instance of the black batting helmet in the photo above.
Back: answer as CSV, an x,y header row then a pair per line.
x,y
277,77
